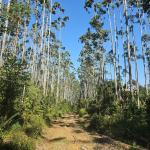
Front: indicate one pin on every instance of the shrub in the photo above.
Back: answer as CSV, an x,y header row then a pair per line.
x,y
93,108
12,85
20,141
84,103
34,126
148,110
16,127
31,103
5,124
48,119
1,136
103,123
11,131
133,146
65,107
56,111
82,112
53,113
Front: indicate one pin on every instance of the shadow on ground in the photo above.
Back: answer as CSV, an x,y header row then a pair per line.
x,y
54,139
98,139
102,140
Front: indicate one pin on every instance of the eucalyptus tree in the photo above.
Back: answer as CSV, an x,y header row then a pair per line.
x,y
113,44
146,41
61,23
121,33
86,59
46,38
25,28
92,56
4,36
105,9
142,23
133,48
34,29
148,64
49,47
125,4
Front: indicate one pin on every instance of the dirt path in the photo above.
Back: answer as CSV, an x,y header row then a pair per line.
x,y
67,134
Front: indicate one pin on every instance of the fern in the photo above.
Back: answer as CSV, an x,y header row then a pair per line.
x,y
8,121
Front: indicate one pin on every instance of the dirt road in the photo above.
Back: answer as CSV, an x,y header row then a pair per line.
x,y
67,134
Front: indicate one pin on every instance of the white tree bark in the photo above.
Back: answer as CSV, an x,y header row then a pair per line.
x,y
141,19
4,34
114,53
128,45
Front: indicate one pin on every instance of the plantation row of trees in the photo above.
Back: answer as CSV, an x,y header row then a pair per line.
x,y
37,77
114,57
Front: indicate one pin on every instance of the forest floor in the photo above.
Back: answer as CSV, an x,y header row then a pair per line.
x,y
67,133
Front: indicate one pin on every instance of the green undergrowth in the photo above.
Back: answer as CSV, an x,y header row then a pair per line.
x,y
82,112
57,110
127,123
120,119
32,114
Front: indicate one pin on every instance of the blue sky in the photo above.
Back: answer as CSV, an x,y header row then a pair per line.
x,y
75,27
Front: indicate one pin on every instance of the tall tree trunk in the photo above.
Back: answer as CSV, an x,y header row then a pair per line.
x,y
24,39
136,69
114,52
59,67
25,32
16,38
49,48
124,53
35,55
45,71
41,52
118,56
128,44
141,18
58,77
4,34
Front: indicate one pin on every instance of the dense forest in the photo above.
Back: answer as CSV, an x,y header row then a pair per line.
x,y
39,83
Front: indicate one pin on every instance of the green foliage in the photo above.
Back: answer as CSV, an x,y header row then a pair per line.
x,y
134,146
93,108
148,110
34,126
23,104
102,123
22,142
57,110
1,136
128,124
32,101
15,127
47,103
82,112
4,124
83,103
94,123
18,141
142,94
106,98
13,78
120,119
